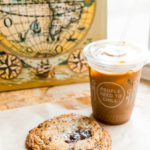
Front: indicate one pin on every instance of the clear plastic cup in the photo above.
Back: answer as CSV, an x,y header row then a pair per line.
x,y
115,70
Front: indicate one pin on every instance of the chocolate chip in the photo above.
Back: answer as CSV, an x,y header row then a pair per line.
x,y
68,141
73,137
79,135
30,148
84,134
50,139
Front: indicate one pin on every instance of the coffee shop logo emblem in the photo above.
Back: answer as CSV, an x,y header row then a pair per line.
x,y
110,95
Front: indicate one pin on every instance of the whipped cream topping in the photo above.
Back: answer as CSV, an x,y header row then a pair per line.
x,y
115,55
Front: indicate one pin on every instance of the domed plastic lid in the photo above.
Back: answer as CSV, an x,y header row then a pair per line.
x,y
115,56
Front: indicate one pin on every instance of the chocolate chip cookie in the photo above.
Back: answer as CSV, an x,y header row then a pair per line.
x,y
69,132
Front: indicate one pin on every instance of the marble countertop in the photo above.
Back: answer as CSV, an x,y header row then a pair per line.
x,y
73,96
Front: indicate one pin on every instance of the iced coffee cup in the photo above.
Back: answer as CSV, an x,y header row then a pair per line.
x,y
115,70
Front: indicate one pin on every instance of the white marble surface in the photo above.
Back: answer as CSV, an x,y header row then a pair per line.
x,y
134,135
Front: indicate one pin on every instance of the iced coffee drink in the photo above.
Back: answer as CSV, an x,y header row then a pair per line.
x,y
115,69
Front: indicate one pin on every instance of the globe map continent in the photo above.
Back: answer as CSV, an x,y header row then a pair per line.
x,y
44,28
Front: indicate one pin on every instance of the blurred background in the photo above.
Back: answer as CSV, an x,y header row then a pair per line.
x,y
137,14
118,12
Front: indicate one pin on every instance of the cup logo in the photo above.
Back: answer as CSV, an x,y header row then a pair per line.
x,y
110,94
